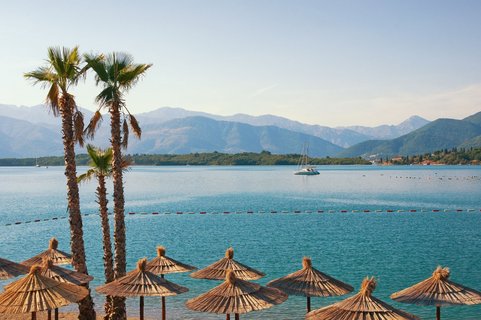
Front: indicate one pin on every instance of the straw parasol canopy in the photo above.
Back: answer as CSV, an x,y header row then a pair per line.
x,y
63,275
438,291
10,269
236,296
165,265
218,270
361,306
141,283
35,293
58,257
310,282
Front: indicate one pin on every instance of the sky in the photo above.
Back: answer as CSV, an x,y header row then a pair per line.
x,y
334,63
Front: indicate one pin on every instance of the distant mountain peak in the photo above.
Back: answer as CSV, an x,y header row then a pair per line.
x,y
412,123
415,118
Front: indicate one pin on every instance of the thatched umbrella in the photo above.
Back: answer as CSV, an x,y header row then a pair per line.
x,y
64,275
218,270
310,282
58,257
60,274
35,293
162,265
361,306
10,269
141,283
236,296
438,291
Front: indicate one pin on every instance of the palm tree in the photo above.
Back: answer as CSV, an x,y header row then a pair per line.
x,y
101,168
117,74
62,71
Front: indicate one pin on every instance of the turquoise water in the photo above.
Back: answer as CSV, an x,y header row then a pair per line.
x,y
399,248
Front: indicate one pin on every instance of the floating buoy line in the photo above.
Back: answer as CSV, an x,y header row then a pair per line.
x,y
320,211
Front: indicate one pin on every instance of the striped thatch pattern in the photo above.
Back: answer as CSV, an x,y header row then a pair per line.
x,y
310,282
10,269
140,283
218,270
165,265
361,306
58,257
236,296
38,293
438,290
61,274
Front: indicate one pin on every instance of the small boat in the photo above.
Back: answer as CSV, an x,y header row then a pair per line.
x,y
304,169
307,171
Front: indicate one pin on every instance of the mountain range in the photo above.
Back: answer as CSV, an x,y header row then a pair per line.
x,y
32,131
437,135
341,136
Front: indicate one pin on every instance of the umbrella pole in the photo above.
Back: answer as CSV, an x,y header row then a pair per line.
x,y
49,314
308,304
163,308
236,316
141,308
56,314
163,302
438,313
34,316
227,317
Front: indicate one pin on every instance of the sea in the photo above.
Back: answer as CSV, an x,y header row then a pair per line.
x,y
394,223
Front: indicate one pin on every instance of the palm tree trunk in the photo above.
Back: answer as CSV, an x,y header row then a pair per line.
x,y
119,222
107,244
86,306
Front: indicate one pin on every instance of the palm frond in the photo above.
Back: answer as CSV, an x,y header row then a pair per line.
x,y
100,160
93,125
87,176
78,126
55,58
121,59
131,74
94,154
53,102
135,126
125,134
105,96
98,64
72,60
42,75
126,164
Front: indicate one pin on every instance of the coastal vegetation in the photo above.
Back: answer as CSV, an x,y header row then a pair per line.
x,y
210,158
63,70
454,156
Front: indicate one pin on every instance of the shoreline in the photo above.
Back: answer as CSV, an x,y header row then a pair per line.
x,y
62,315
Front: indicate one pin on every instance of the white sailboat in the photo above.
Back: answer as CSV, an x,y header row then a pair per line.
x,y
303,167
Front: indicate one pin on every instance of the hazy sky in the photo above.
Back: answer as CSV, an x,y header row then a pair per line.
x,y
330,62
